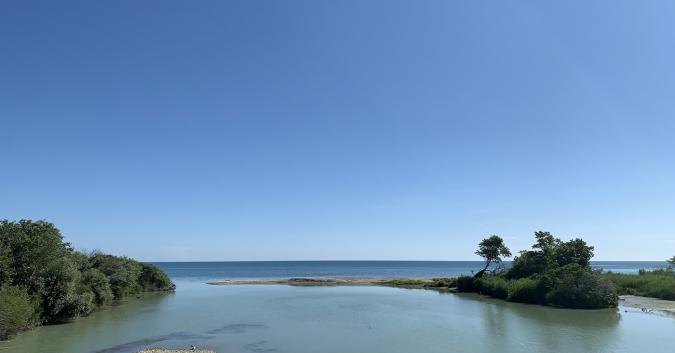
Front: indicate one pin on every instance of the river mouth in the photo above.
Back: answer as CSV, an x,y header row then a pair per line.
x,y
273,318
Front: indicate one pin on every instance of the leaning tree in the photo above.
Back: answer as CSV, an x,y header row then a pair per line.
x,y
492,250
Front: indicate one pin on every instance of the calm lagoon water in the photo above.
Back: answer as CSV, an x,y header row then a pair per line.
x,y
344,320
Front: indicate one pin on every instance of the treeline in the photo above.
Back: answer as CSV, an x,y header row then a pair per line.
x,y
43,280
553,272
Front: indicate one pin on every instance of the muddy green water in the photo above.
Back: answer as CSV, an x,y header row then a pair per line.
x,y
346,320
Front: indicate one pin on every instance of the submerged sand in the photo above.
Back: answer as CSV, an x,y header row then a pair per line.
x,y
157,350
318,281
648,304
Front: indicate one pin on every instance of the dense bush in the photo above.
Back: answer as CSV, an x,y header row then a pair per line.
x,y
466,284
552,273
123,273
154,279
656,284
17,313
42,280
494,286
583,290
527,290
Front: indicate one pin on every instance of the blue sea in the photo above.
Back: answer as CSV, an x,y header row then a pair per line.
x,y
204,271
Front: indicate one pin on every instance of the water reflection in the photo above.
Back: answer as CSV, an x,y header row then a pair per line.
x,y
262,319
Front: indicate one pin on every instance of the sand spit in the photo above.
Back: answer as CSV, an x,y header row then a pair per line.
x,y
648,304
317,281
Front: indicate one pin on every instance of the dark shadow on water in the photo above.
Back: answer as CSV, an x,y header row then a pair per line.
x,y
236,328
173,339
258,347
144,343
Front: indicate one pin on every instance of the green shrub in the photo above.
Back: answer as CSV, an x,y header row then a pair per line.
x,y
17,313
494,286
441,283
583,290
61,283
466,284
123,273
526,290
98,284
153,279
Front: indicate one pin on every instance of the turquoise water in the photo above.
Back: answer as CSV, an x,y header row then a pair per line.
x,y
288,319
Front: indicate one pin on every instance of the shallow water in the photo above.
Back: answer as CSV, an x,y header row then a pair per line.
x,y
343,320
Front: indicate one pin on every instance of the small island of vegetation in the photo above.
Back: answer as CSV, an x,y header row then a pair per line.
x,y
43,280
553,272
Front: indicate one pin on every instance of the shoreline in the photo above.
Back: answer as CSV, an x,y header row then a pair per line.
x,y
325,281
645,304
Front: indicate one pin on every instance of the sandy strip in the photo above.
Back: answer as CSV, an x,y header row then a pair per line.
x,y
647,304
317,281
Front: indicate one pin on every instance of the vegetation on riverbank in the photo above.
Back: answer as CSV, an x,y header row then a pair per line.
x,y
655,284
434,283
553,273
43,280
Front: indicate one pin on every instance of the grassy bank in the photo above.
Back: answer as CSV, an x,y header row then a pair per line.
x,y
655,284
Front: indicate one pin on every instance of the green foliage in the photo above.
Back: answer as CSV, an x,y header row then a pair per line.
x,y
58,290
17,313
34,246
44,281
527,264
573,252
671,261
552,273
581,289
492,250
656,284
154,279
6,268
97,283
527,290
435,283
466,284
494,286
123,273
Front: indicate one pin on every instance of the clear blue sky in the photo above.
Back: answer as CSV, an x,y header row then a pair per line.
x,y
282,130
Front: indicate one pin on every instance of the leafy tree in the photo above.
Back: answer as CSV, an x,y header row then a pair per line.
x,y
58,293
42,280
545,242
6,268
17,313
34,246
492,250
573,252
97,283
153,279
123,273
671,261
